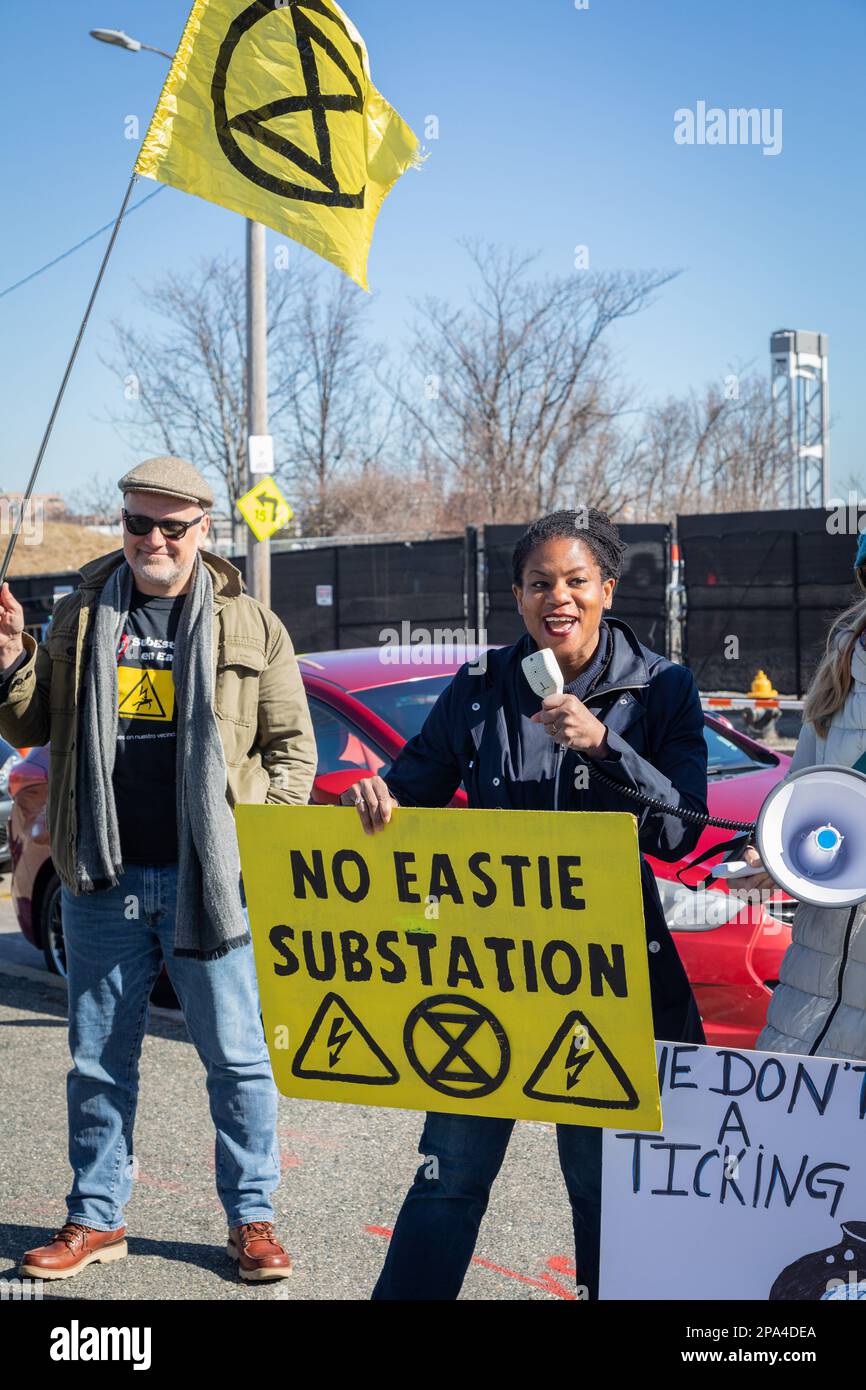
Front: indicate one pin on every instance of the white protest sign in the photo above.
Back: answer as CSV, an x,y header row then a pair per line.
x,y
755,1189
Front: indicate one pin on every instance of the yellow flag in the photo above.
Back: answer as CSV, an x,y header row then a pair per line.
x,y
269,110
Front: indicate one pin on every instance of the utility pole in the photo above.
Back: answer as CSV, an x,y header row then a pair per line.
x,y
258,572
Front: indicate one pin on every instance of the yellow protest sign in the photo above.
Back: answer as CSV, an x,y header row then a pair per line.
x,y
269,109
478,962
264,509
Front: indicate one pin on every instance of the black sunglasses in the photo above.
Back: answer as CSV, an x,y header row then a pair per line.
x,y
173,530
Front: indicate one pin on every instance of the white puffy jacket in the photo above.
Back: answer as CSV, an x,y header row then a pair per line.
x,y
819,1006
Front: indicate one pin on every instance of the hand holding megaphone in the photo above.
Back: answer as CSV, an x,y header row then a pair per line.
x,y
811,837
758,880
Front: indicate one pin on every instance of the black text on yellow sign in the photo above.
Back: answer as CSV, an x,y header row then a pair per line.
x,y
483,962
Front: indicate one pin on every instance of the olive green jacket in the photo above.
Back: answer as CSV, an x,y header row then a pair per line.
x,y
259,700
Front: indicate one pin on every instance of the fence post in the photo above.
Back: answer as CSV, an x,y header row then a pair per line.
x,y
338,635
470,581
795,610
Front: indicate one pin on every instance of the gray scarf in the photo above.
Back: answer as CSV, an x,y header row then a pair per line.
x,y
209,918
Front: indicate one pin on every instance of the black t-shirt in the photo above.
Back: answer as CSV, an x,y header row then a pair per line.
x,y
145,767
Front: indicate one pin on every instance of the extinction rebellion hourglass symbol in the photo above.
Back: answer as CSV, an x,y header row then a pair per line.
x,y
254,123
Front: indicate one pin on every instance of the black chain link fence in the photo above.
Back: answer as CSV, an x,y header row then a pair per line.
x,y
761,591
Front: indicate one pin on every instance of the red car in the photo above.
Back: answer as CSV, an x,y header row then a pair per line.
x,y
364,708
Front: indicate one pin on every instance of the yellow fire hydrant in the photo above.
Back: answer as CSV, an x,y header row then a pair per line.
x,y
762,687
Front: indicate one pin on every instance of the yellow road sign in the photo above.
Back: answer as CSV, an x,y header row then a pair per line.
x,y
477,962
264,509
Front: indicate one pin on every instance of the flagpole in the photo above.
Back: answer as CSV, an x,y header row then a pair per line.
x,y
66,375
258,567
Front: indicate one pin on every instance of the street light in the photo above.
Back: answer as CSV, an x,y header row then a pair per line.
x,y
258,576
121,40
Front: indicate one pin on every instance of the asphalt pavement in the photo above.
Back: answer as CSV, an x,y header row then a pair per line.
x,y
345,1170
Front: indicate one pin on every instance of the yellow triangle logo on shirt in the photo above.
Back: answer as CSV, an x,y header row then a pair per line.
x,y
145,694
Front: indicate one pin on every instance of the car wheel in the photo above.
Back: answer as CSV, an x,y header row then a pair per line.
x,y
51,928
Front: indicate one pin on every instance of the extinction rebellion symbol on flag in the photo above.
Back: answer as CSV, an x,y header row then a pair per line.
x,y
314,47
270,109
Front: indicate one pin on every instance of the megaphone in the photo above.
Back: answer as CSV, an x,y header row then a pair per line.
x,y
811,836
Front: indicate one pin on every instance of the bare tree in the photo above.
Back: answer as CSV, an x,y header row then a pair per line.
x,y
185,382
515,397
337,418
854,485
500,411
97,499
719,451
379,499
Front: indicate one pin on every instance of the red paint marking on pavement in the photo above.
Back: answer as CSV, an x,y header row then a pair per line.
x,y
548,1284
288,1159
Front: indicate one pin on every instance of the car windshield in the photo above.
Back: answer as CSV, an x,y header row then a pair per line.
x,y
405,704
725,757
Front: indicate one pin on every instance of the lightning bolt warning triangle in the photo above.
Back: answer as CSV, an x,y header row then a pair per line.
x,y
338,1047
578,1068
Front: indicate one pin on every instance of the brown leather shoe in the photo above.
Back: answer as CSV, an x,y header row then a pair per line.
x,y
70,1249
258,1252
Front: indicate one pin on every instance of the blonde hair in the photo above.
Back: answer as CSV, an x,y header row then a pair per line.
x,y
831,683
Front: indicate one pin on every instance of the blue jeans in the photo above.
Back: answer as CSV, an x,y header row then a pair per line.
x,y
116,941
437,1228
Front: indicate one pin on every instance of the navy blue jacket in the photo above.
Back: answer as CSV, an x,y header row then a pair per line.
x,y
480,733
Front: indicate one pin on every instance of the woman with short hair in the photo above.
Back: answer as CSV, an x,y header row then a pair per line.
x,y
637,718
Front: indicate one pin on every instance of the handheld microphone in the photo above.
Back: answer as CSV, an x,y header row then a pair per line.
x,y
541,669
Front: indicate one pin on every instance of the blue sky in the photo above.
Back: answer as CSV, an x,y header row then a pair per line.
x,y
556,129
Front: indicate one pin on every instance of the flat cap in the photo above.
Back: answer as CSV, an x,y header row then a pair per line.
x,y
173,477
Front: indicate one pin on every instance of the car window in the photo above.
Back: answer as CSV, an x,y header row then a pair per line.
x,y
724,755
340,745
405,704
